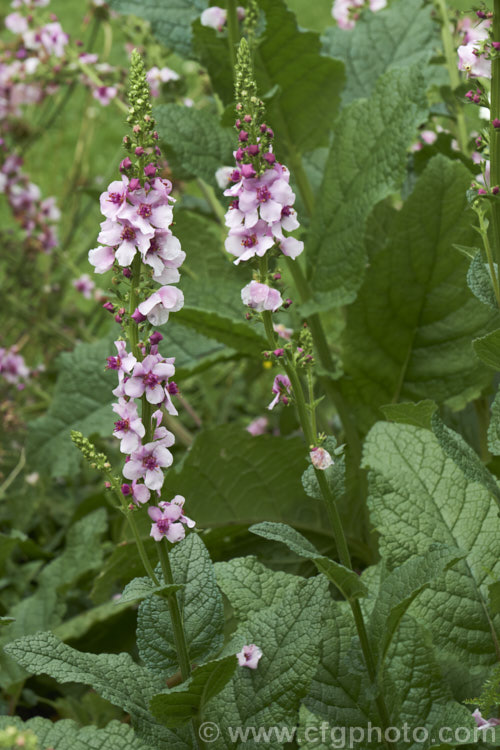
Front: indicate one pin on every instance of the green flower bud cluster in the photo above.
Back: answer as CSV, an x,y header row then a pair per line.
x,y
141,145
90,453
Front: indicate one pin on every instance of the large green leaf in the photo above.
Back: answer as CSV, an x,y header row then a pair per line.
x,y
347,581
188,700
170,22
67,735
309,84
230,476
400,36
366,163
193,351
487,349
418,495
115,677
289,635
195,143
200,603
408,334
81,401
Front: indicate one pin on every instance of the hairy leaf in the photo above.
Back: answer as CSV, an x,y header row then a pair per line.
x,y
408,333
479,281
487,349
142,588
397,37
366,163
200,603
407,412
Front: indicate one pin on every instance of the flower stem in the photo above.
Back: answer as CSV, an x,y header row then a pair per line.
x,y
483,227
232,30
451,63
495,133
175,613
133,329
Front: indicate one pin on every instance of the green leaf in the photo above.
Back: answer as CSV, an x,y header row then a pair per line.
x,y
289,635
410,340
464,456
142,588
212,50
67,735
79,625
309,84
201,606
418,495
120,568
360,171
494,426
400,36
407,412
479,281
81,401
399,589
194,142
189,699
347,581
230,476
494,589
250,586
170,23
238,335
115,677
193,352
487,348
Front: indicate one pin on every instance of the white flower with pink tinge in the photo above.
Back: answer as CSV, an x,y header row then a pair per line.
x,y
147,378
16,23
102,258
261,197
146,212
258,426
51,38
126,238
84,284
123,362
129,428
282,388
320,458
156,76
215,17
139,492
261,297
147,463
249,656
104,94
160,304
169,520
114,197
483,723
347,12
164,255
247,243
472,62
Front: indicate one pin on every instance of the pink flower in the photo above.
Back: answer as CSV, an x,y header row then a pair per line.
x,y
148,377
16,23
129,428
249,656
472,62
282,331
156,76
248,243
104,94
169,520
291,247
483,723
258,426
320,458
164,255
146,212
347,12
51,38
127,240
147,463
123,363
12,366
474,32
223,177
84,284
214,18
161,303
282,389
113,198
139,492
261,297
102,258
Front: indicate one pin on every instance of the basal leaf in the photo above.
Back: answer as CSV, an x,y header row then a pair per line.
x,y
418,495
170,23
183,702
408,334
309,84
366,163
201,607
397,37
407,412
347,581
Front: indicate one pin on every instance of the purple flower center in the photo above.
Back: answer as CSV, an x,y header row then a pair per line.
x,y
163,525
114,363
249,240
122,424
263,194
145,210
286,210
128,233
149,463
153,246
235,203
150,380
115,197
